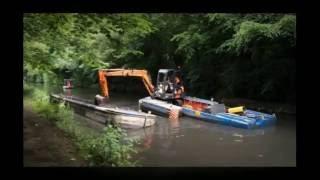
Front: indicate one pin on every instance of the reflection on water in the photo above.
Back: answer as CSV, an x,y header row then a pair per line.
x,y
67,92
174,124
143,135
191,142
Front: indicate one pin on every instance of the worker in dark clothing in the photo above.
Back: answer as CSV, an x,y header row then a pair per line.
x,y
178,91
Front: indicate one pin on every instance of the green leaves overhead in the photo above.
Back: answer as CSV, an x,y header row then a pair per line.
x,y
81,41
93,39
251,33
239,48
236,54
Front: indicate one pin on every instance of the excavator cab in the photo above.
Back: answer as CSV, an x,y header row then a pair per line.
x,y
166,84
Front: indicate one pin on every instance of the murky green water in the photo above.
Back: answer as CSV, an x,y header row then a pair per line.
x,y
190,142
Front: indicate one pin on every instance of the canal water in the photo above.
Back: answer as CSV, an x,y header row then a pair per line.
x,y
190,142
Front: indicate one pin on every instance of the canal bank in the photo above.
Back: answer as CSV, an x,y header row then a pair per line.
x,y
46,145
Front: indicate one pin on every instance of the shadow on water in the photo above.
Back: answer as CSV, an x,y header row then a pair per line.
x,y
191,142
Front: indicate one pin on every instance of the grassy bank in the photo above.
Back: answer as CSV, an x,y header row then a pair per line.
x,y
104,149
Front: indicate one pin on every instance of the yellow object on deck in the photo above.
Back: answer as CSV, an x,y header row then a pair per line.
x,y
187,106
239,109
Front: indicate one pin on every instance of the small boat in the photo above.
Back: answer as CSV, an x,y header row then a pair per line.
x,y
158,107
214,112
124,118
67,84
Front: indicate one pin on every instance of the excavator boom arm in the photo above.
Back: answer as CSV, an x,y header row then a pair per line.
x,y
105,73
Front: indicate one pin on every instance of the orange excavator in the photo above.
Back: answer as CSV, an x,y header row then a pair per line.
x,y
165,89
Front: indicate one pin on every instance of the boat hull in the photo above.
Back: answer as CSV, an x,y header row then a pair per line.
x,y
239,121
158,107
124,118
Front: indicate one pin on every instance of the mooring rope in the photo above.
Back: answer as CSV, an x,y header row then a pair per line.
x,y
145,120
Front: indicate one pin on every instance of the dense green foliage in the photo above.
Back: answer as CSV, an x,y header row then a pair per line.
x,y
109,148
100,149
221,55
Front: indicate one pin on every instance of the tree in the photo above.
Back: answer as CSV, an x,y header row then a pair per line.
x,y
221,55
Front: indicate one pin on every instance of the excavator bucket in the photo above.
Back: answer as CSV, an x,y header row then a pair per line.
x,y
100,100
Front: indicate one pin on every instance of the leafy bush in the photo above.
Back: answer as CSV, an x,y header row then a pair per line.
x,y
109,149
105,149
